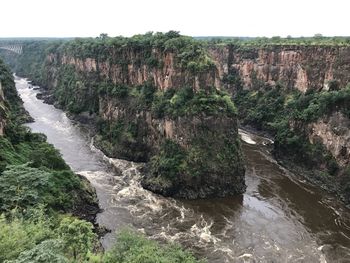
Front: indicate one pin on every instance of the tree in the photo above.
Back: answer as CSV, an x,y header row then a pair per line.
x,y
78,236
103,36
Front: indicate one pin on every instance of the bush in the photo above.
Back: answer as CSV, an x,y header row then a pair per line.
x,y
109,89
22,186
45,155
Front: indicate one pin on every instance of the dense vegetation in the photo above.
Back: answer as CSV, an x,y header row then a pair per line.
x,y
172,103
134,248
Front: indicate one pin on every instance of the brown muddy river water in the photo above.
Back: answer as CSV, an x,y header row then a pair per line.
x,y
278,219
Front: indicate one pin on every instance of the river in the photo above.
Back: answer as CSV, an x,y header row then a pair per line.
x,y
278,219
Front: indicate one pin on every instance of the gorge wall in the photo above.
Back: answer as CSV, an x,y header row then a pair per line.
x,y
304,68
153,98
300,67
300,95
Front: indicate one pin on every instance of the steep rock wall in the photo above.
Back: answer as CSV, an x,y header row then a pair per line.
x,y
300,67
334,132
216,167
130,68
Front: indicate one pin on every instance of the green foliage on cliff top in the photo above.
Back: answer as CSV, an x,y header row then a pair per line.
x,y
186,102
316,40
189,52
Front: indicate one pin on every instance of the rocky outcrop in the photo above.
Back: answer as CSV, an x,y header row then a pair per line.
x,y
212,158
334,133
209,145
300,67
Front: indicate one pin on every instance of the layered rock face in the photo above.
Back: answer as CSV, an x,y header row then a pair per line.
x,y
300,67
131,68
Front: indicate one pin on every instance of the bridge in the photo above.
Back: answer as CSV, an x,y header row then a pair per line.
x,y
16,48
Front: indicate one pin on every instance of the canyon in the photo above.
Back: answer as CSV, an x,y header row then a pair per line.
x,y
117,80
165,111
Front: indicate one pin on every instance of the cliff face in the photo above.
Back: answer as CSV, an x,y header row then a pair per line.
x,y
334,132
138,92
130,68
210,163
300,67
301,95
160,106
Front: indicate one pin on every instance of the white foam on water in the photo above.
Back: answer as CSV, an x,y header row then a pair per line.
x,y
246,138
202,230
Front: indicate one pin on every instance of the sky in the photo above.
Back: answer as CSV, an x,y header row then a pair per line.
x,y
87,18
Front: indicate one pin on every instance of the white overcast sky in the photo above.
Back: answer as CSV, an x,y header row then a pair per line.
x,y
68,18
